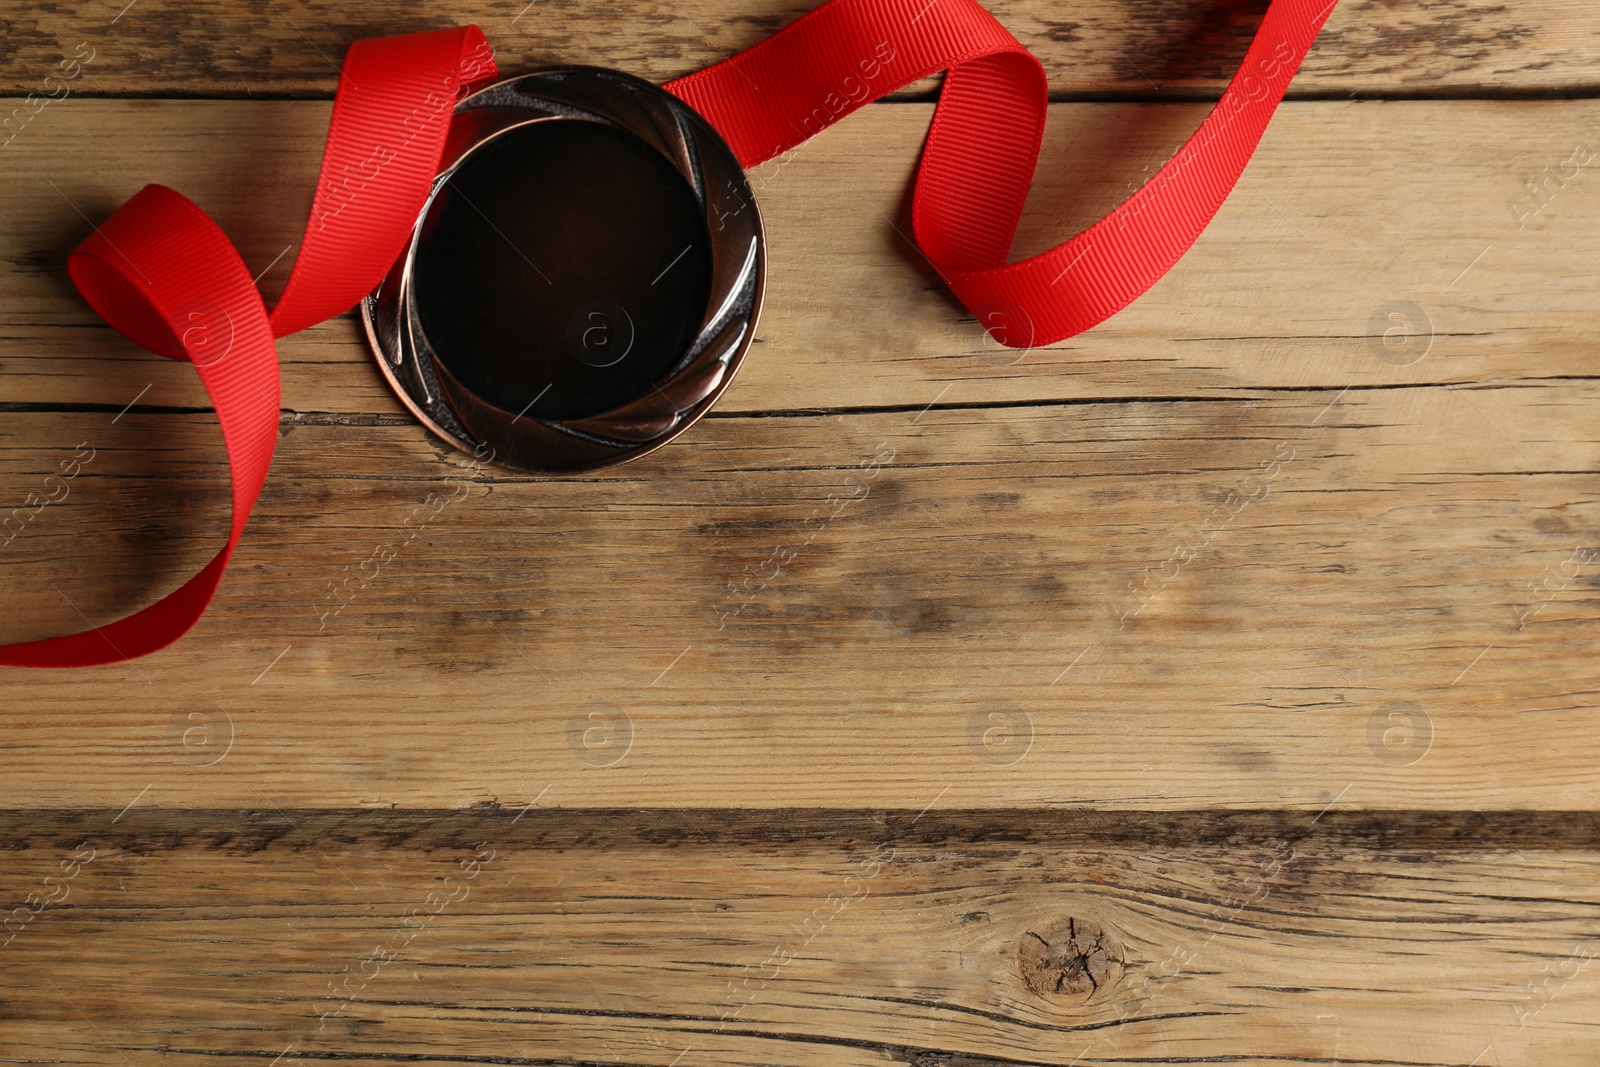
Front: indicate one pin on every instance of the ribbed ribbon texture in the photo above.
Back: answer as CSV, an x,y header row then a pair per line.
x,y
162,273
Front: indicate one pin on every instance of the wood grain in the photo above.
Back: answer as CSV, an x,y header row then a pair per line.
x,y
1414,571
1363,598
1214,687
1090,48
1350,211
302,937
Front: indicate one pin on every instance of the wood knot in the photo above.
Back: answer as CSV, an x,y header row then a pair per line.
x,y
1074,960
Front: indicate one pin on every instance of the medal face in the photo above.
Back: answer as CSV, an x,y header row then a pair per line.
x,y
583,280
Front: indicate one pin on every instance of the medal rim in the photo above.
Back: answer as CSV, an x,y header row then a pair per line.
x,y
716,166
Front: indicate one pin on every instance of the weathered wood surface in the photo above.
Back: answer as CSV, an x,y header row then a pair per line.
x,y
932,649
296,937
1350,211
1432,513
1090,48
1381,598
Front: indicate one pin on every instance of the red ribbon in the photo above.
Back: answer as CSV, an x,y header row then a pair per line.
x,y
981,150
162,273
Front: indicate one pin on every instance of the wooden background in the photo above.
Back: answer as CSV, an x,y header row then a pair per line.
x,y
1044,749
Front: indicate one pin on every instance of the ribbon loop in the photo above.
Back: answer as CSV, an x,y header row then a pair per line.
x,y
981,150
164,275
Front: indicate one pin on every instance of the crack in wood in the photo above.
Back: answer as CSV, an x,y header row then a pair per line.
x,y
242,831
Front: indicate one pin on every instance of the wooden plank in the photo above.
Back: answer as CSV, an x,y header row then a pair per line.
x,y
1332,233
1089,48
305,938
1368,598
